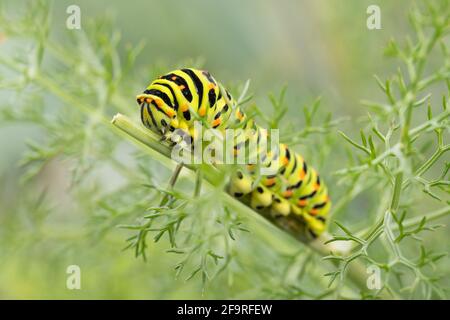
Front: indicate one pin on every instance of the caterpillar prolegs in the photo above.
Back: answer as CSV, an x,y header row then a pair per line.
x,y
174,101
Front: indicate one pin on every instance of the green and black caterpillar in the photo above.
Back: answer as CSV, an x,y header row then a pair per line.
x,y
176,100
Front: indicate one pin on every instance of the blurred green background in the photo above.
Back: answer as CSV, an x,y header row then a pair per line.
x,y
318,48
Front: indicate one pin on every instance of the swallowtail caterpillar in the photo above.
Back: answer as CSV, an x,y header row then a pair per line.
x,y
295,193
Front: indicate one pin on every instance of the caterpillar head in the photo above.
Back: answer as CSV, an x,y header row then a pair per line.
x,y
156,114
163,120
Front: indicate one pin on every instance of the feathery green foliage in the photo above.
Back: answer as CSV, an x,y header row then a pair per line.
x,y
394,154
120,196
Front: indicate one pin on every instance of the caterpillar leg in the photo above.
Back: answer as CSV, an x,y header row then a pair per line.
x,y
280,206
261,198
315,226
240,184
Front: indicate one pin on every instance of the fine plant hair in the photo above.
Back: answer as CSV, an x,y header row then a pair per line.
x,y
70,93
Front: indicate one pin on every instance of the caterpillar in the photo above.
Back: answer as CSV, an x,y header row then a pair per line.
x,y
175,100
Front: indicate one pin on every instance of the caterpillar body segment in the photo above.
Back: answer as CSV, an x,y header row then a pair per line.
x,y
181,97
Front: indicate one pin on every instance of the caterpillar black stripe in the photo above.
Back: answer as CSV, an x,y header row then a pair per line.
x,y
296,191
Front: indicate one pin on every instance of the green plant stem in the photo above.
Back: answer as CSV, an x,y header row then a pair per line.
x,y
434,215
438,153
172,181
396,192
284,242
395,148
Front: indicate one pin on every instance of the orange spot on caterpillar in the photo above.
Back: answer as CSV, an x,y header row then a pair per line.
x,y
313,212
316,186
184,107
239,115
302,203
269,182
202,112
174,78
139,99
285,161
211,86
148,100
182,86
301,174
216,122
159,102
287,193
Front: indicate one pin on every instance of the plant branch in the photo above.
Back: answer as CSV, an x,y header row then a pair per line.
x,y
283,242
